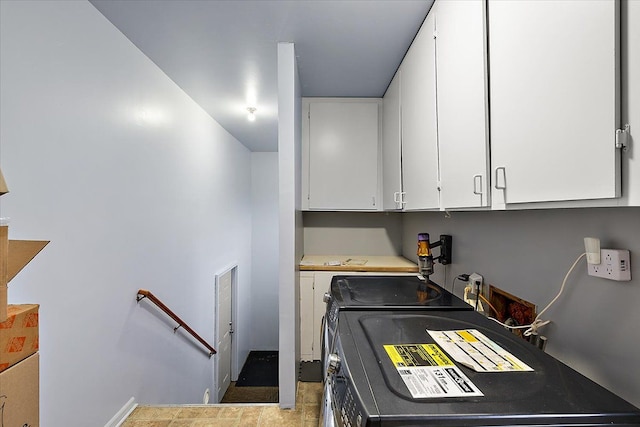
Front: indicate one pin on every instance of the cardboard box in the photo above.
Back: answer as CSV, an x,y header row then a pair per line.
x,y
21,252
18,335
14,256
20,394
3,186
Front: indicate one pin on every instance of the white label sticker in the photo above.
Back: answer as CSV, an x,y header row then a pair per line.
x,y
474,350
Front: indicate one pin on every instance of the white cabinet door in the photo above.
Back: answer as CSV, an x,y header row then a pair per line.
x,y
321,286
419,129
391,160
554,100
462,103
307,334
343,155
631,85
313,286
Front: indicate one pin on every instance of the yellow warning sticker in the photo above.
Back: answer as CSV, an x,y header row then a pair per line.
x,y
403,355
428,373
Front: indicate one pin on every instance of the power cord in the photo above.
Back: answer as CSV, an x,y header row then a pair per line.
x,y
532,329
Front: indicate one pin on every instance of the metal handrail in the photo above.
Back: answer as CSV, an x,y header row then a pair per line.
x,y
143,293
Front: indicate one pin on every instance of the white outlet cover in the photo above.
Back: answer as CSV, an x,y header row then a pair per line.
x,y
615,264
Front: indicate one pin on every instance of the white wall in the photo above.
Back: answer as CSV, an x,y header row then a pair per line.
x,y
528,253
136,187
290,217
264,251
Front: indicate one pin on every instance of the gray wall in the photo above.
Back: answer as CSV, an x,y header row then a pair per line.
x,y
136,187
366,233
596,322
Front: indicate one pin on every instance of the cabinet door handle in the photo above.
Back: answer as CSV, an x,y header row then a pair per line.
x,y
398,198
477,183
504,178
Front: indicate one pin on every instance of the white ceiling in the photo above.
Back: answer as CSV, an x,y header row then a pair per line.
x,y
223,53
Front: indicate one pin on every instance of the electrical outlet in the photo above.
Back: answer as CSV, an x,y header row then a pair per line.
x,y
615,264
475,279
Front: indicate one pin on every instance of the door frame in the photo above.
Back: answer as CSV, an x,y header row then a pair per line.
x,y
234,342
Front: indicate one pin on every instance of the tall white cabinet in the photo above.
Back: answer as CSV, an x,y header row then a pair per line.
x,y
554,100
419,121
393,195
463,140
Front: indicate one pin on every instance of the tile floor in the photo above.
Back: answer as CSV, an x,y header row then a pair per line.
x,y
306,414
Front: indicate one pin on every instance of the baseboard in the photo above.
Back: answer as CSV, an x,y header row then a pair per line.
x,y
122,414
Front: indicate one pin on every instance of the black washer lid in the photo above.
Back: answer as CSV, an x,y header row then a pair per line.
x,y
553,394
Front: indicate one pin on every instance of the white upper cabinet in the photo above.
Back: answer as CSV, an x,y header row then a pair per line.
x,y
419,122
554,100
341,154
391,149
462,104
631,99
547,76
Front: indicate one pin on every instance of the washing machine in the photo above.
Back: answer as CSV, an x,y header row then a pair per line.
x,y
451,368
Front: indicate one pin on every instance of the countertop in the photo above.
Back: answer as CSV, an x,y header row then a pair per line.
x,y
364,263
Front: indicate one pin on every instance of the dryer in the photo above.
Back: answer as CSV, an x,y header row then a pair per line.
x,y
348,293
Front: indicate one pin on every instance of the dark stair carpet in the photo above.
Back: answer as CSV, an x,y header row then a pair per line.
x,y
260,370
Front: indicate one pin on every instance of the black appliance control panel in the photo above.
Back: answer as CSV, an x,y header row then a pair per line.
x,y
346,403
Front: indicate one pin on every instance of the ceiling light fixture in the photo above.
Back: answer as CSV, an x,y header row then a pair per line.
x,y
252,114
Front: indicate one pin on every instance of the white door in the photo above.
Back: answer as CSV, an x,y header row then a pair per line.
x,y
224,331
